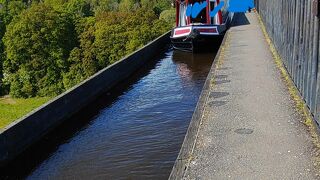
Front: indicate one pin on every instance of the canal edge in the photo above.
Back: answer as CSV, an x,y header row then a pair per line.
x,y
19,135
185,155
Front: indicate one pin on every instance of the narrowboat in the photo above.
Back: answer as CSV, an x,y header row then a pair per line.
x,y
194,33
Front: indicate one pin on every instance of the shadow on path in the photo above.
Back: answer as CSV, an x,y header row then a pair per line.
x,y
240,19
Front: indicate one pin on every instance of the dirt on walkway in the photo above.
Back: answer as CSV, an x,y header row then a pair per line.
x,y
251,128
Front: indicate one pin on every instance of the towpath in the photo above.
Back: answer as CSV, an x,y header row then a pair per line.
x,y
250,128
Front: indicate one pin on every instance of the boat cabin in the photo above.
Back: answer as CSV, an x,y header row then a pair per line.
x,y
191,32
203,17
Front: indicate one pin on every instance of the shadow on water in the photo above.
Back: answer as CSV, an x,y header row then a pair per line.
x,y
40,151
240,19
133,131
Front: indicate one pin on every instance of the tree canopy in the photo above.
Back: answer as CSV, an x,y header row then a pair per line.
x,y
49,46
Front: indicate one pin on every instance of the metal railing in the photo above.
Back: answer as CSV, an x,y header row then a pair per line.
x,y
293,26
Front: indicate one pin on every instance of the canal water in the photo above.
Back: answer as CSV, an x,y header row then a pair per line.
x,y
132,132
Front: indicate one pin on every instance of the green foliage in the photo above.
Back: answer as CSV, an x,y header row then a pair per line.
x,y
49,46
11,9
8,10
109,37
2,31
168,15
99,6
161,5
156,5
128,5
3,89
37,44
82,60
79,8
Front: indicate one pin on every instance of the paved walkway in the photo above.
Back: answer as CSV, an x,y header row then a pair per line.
x,y
250,128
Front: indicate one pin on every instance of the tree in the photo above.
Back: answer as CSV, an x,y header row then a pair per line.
x,y
108,37
2,31
99,6
12,9
156,5
79,8
37,44
52,45
128,5
82,59
2,87
8,10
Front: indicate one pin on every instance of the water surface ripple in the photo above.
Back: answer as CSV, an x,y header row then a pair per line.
x,y
138,135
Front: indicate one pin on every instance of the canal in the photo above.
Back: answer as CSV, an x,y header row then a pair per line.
x,y
133,131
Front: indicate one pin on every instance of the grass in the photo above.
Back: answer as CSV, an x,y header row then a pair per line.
x,y
12,109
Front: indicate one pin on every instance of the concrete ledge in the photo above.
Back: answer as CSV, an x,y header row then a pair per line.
x,y
22,133
187,147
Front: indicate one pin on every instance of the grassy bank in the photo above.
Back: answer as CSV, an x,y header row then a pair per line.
x,y
12,109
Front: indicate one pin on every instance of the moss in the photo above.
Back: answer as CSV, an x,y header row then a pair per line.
x,y
211,86
300,105
220,59
223,50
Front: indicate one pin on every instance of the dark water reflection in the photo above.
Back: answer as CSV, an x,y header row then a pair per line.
x,y
139,133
